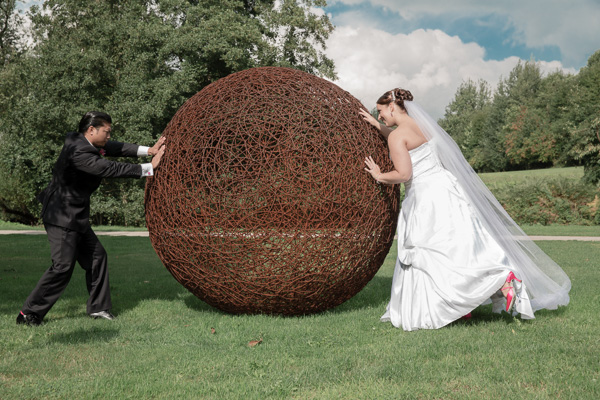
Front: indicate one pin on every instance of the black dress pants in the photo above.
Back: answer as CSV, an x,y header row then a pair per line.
x,y
67,247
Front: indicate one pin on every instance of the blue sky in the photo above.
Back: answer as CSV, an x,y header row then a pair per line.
x,y
495,32
431,46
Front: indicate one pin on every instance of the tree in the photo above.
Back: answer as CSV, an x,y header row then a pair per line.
x,y
523,83
9,22
528,139
138,60
523,121
554,100
457,116
492,157
467,120
585,120
532,120
535,132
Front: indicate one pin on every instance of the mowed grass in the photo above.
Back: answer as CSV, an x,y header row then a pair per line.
x,y
493,179
14,226
161,346
562,230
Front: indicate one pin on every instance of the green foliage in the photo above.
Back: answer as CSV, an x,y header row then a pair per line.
x,y
115,203
469,101
562,230
498,179
467,120
138,60
547,196
527,139
9,21
531,121
534,132
586,119
550,201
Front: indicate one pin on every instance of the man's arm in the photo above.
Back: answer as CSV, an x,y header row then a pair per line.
x,y
118,149
88,160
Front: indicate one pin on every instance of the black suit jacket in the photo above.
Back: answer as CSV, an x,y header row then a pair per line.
x,y
77,174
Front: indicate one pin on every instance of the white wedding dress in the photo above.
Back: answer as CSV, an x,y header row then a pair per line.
x,y
448,263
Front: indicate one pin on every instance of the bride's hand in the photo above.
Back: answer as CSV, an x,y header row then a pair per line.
x,y
372,168
369,118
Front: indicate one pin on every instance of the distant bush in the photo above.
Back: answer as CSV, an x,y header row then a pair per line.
x,y
551,201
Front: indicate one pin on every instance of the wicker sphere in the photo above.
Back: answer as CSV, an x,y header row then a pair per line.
x,y
261,203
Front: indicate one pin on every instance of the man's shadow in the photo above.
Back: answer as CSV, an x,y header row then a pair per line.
x,y
136,274
95,334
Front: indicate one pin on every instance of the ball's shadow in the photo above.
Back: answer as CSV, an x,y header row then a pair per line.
x,y
375,294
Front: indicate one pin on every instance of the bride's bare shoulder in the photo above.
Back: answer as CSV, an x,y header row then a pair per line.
x,y
407,133
399,137
407,128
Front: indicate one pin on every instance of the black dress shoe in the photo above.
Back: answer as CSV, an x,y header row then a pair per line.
x,y
31,319
102,314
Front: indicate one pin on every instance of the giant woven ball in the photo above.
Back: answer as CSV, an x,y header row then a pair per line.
x,y
261,203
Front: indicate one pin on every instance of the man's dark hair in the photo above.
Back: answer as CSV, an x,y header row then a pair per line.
x,y
95,119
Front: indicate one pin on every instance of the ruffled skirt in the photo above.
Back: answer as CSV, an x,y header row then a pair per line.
x,y
448,264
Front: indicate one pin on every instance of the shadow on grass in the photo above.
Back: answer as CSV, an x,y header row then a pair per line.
x,y
375,294
194,303
136,275
84,336
551,313
483,315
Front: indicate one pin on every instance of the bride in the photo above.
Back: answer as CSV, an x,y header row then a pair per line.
x,y
457,246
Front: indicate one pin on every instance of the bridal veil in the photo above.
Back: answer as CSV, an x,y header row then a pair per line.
x,y
547,284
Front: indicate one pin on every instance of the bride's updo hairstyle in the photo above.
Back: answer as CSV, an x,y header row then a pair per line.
x,y
398,96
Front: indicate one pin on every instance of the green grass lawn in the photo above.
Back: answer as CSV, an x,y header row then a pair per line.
x,y
161,345
538,230
512,177
12,226
562,230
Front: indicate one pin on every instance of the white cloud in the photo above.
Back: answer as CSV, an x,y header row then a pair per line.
x,y
572,26
430,63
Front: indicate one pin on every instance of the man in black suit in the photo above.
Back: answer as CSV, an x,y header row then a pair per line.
x,y
66,209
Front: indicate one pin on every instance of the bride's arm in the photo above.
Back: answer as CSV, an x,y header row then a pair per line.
x,y
402,171
383,130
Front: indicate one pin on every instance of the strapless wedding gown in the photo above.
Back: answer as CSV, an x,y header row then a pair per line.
x,y
448,264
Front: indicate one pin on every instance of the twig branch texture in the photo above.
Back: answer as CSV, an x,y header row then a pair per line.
x,y
261,203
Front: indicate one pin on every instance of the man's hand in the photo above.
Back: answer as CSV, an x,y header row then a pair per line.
x,y
156,159
152,151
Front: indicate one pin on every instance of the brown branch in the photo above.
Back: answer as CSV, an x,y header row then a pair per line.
x,y
261,203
